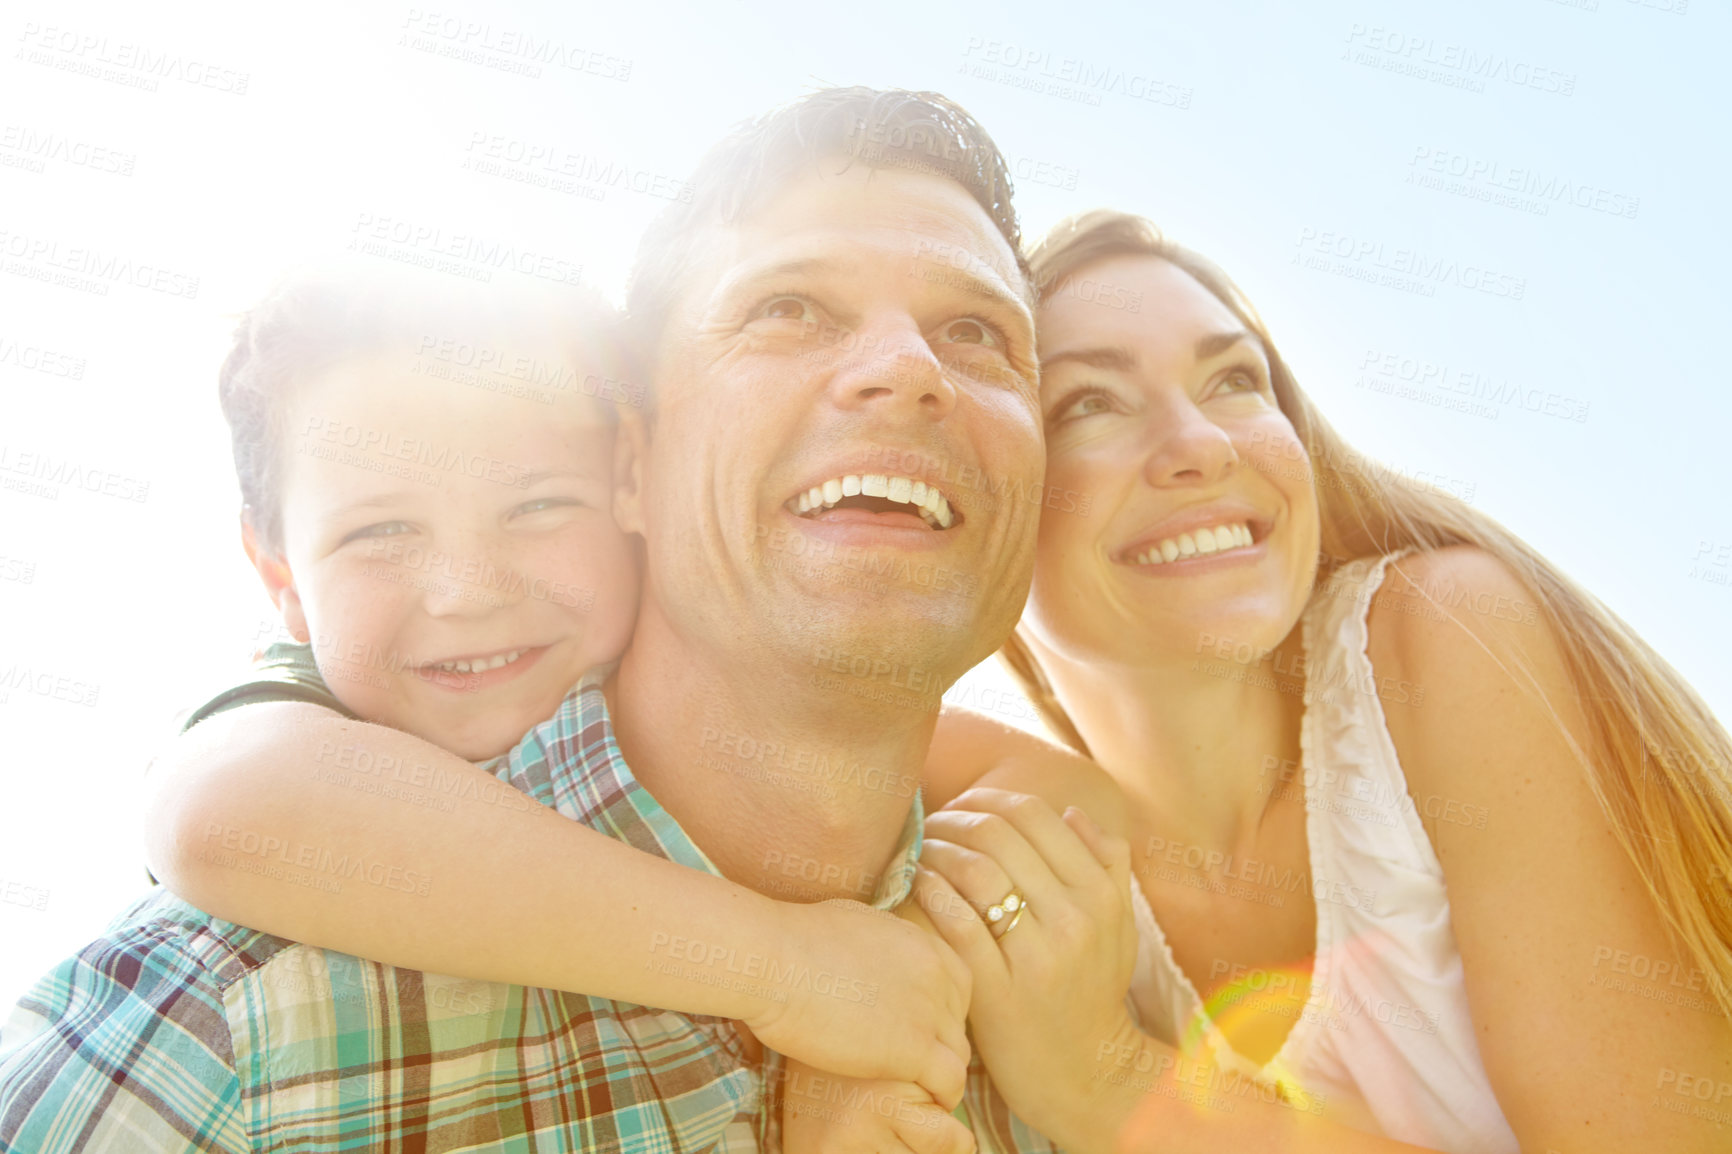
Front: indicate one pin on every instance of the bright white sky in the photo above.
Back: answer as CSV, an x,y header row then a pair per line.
x,y
1274,131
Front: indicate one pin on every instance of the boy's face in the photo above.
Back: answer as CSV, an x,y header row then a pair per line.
x,y
450,551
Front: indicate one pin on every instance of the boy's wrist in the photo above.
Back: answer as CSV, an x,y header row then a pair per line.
x,y
774,930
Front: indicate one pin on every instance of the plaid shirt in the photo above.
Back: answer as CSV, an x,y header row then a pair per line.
x,y
179,1031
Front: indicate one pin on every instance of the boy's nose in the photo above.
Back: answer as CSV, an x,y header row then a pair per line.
x,y
469,582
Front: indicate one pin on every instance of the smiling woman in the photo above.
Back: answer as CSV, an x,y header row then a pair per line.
x,y
1254,605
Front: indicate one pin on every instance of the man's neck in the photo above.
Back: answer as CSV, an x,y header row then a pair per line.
x,y
790,788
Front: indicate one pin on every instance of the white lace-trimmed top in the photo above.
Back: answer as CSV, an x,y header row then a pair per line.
x,y
1385,1042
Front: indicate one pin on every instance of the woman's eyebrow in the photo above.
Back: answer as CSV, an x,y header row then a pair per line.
x,y
1114,360
1217,343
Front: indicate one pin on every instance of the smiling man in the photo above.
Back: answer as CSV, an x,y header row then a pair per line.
x,y
845,414
803,362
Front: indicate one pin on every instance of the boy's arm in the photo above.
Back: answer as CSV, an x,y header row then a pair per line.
x,y
253,819
970,749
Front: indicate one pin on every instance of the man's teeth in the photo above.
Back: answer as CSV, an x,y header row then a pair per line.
x,y
925,499
480,665
1198,543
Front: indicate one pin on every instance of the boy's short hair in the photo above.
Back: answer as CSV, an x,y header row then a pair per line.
x,y
316,319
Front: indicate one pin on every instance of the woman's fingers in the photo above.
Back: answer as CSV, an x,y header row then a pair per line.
x,y
963,929
1113,853
992,816
979,837
982,883
980,879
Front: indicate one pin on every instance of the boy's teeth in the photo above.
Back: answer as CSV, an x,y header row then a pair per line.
x,y
480,665
1198,543
924,499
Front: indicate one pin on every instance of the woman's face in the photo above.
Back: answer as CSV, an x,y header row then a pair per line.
x,y
1201,526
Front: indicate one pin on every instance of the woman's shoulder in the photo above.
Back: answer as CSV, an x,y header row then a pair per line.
x,y
1461,626
1440,614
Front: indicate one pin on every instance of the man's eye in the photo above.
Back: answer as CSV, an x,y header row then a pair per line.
x,y
969,331
542,504
788,308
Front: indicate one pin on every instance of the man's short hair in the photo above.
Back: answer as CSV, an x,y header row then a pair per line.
x,y
880,128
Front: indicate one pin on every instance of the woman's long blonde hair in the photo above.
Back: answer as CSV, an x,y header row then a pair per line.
x,y
1658,760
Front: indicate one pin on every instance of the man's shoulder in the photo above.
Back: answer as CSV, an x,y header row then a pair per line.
x,y
159,952
129,1040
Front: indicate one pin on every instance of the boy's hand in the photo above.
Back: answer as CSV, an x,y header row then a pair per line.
x,y
828,1114
869,996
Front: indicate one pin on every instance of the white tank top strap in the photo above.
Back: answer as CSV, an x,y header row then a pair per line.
x,y
1350,760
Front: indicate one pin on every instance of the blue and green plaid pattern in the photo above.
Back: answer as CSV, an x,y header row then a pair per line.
x,y
178,1031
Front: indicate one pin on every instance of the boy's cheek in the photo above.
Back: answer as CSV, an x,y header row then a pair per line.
x,y
597,563
360,600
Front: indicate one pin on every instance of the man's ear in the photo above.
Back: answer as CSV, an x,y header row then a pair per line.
x,y
279,581
630,461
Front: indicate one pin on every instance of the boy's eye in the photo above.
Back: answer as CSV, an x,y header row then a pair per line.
x,y
969,331
382,529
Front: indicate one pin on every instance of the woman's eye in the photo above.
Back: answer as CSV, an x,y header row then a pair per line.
x,y
968,331
1086,405
1242,381
788,308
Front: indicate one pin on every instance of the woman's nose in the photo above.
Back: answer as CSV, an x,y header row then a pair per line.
x,y
1186,448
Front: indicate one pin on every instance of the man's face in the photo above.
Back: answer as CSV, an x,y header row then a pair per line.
x,y
847,453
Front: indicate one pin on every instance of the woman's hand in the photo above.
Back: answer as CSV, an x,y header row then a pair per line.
x,y
1049,993
883,999
826,1114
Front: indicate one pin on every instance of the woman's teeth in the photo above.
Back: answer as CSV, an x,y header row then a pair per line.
x,y
479,665
1199,543
925,499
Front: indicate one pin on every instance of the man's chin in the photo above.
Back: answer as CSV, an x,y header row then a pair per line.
x,y
881,658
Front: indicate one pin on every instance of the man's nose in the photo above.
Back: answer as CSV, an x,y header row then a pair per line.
x,y
1186,447
891,367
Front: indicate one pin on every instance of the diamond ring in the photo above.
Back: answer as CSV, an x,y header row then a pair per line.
x,y
1004,916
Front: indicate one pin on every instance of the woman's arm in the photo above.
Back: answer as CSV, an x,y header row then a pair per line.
x,y
970,749
439,866
1547,908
